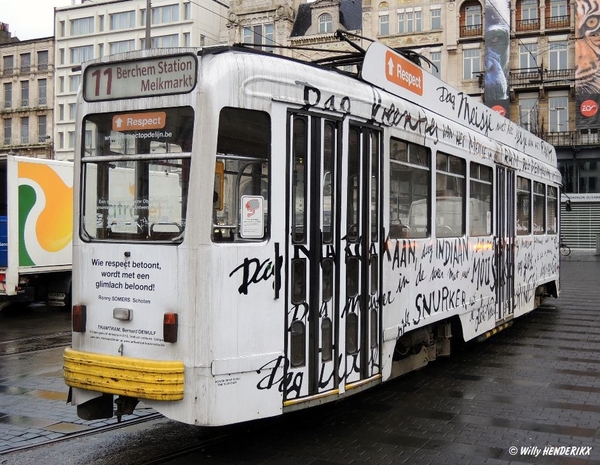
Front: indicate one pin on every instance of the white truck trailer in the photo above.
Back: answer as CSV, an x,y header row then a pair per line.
x,y
36,230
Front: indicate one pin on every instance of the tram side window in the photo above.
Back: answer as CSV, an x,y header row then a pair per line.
x,y
480,220
410,204
241,185
552,202
523,206
539,208
450,195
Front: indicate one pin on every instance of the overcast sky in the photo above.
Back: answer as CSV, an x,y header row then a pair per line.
x,y
30,19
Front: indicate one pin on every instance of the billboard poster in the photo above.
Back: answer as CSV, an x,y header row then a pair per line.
x,y
587,78
497,54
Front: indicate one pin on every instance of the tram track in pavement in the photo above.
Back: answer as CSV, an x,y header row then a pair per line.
x,y
33,343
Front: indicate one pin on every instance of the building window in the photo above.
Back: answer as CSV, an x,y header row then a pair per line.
x,y
589,173
42,92
558,56
8,95
8,131
528,113
24,93
171,40
82,26
25,130
384,25
80,54
436,60
558,108
527,15
42,129
436,19
529,10
8,65
260,35
409,21
471,63
473,15
42,60
558,8
121,46
163,14
325,23
72,111
187,12
25,62
528,56
471,20
74,82
123,20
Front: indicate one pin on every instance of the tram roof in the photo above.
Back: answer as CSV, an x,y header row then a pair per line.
x,y
384,68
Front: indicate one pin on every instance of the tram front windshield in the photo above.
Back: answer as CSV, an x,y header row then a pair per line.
x,y
135,172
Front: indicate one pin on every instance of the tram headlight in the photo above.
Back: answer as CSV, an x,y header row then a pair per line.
x,y
170,326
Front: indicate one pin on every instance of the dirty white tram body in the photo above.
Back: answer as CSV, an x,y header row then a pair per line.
x,y
256,235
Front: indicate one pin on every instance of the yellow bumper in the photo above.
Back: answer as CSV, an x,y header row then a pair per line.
x,y
125,376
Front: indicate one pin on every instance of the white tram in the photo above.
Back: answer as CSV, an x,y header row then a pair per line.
x,y
257,235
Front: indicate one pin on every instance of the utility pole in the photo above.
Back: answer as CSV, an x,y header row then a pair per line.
x,y
148,23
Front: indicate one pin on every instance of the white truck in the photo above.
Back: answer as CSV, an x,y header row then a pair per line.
x,y
36,230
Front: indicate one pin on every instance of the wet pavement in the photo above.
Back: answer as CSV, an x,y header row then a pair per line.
x,y
33,394
530,394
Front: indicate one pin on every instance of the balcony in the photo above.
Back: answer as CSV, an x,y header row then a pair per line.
x,y
24,104
572,138
25,141
558,22
527,25
472,31
535,77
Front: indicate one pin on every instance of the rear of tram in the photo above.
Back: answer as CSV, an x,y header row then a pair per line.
x,y
132,181
171,208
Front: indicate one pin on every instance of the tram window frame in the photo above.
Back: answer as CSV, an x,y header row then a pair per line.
x,y
539,208
156,164
523,206
481,179
410,189
552,209
451,171
242,175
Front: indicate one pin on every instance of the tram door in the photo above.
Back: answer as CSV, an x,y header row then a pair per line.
x,y
505,242
328,269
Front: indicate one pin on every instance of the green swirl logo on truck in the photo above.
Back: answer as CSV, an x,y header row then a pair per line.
x,y
45,214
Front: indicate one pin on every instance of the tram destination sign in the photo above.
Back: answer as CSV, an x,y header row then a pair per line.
x,y
164,75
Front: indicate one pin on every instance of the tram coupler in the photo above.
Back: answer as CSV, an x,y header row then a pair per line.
x,y
125,406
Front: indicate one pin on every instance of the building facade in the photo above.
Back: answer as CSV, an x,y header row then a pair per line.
x,y
27,98
548,54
